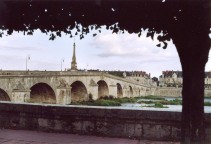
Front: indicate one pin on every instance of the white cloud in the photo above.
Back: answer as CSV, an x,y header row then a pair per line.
x,y
130,52
128,45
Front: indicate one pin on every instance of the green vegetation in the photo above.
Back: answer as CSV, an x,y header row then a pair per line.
x,y
156,105
207,103
152,97
110,101
99,102
159,105
163,102
106,101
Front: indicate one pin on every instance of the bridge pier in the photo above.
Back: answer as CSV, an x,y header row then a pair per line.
x,y
63,95
20,95
93,90
113,90
124,91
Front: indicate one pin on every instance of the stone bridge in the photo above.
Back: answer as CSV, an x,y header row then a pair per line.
x,y
66,86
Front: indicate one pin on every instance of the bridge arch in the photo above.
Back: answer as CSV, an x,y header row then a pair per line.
x,y
102,88
130,91
119,91
78,92
4,96
42,93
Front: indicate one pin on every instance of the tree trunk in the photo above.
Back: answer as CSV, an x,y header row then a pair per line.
x,y
190,34
193,49
193,129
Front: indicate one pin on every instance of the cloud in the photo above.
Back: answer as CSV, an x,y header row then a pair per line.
x,y
130,52
9,47
14,62
127,45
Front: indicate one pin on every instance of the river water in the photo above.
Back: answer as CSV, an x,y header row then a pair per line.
x,y
177,108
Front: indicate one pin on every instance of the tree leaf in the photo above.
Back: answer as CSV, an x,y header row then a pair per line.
x,y
165,45
58,33
29,33
52,36
148,34
158,45
81,36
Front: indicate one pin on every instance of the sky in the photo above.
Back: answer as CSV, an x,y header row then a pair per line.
x,y
106,51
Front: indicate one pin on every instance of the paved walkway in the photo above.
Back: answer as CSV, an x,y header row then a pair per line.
x,y
34,137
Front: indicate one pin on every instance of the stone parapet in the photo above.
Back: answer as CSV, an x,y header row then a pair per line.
x,y
99,121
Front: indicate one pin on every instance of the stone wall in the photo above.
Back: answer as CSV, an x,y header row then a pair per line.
x,y
99,121
175,92
168,92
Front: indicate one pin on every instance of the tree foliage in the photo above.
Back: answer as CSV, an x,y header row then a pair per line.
x,y
80,17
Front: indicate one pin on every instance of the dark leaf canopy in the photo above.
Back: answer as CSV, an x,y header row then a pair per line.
x,y
157,16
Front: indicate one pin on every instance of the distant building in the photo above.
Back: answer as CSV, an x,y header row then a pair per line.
x,y
175,79
171,79
139,76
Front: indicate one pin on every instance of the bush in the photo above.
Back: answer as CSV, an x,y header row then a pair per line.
x,y
99,102
146,102
159,105
90,96
152,97
207,104
107,97
103,102
125,100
